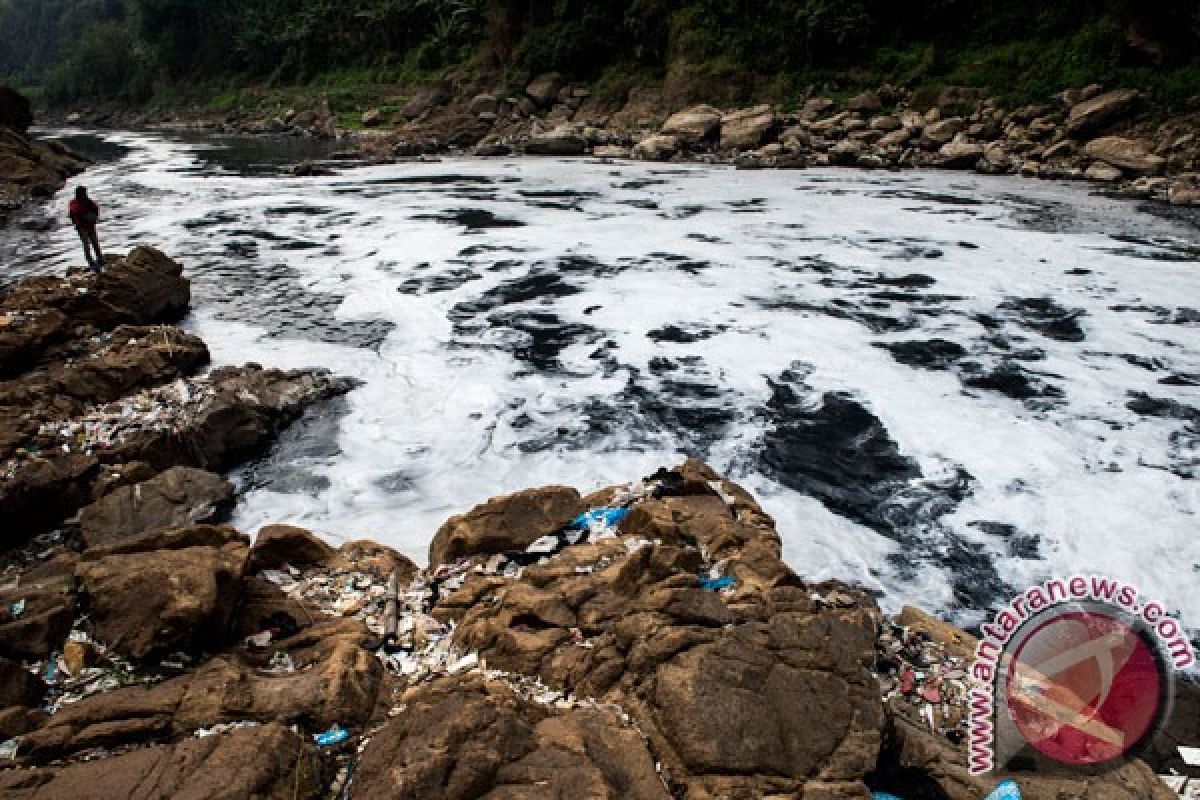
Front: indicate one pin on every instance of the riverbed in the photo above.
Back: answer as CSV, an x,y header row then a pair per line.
x,y
943,386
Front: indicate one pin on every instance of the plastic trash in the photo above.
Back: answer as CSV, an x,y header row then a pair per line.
x,y
469,661
605,517
884,796
8,749
1006,791
544,546
718,584
259,639
335,735
17,608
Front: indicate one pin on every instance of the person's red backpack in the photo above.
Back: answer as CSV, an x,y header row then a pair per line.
x,y
83,212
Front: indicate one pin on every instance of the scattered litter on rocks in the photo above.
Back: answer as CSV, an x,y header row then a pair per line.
x,y
160,409
224,727
912,668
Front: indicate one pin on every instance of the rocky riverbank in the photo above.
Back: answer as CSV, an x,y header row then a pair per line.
x,y
1115,138
642,641
28,168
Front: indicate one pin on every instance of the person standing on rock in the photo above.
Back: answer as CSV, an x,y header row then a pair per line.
x,y
84,215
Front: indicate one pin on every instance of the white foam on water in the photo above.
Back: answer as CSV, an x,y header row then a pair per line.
x,y
445,419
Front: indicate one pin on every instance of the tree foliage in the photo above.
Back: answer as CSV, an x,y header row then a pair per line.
x,y
123,48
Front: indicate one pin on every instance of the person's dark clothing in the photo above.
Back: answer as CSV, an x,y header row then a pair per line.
x,y
84,215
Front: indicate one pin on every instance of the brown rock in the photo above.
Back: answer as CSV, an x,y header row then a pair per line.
x,y
177,498
943,131
268,762
147,602
19,686
886,123
43,623
960,153
693,125
41,491
913,748
1130,155
659,147
277,545
728,688
1092,115
142,288
335,680
544,89
83,371
374,559
1100,171
460,740
426,100
748,128
866,101
956,641
505,523
24,337
558,142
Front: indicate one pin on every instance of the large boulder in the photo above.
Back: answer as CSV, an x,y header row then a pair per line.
x,y
544,89
177,498
25,334
1130,155
41,490
178,595
960,153
268,762
141,288
277,545
943,131
757,692
748,128
1095,114
467,738
558,142
512,522
15,110
659,147
693,125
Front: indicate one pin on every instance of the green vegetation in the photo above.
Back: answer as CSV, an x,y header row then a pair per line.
x,y
133,50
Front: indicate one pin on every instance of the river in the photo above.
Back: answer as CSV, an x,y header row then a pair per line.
x,y
943,386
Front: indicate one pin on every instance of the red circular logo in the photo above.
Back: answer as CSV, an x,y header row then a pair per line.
x,y
1084,688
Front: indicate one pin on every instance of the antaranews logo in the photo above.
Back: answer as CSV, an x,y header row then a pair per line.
x,y
1078,670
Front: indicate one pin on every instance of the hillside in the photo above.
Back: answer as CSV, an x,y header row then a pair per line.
x,y
135,51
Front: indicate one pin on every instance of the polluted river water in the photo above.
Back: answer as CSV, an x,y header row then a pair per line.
x,y
943,386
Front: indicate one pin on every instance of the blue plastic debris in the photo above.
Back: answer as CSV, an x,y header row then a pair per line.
x,y
609,517
335,735
717,584
1006,791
